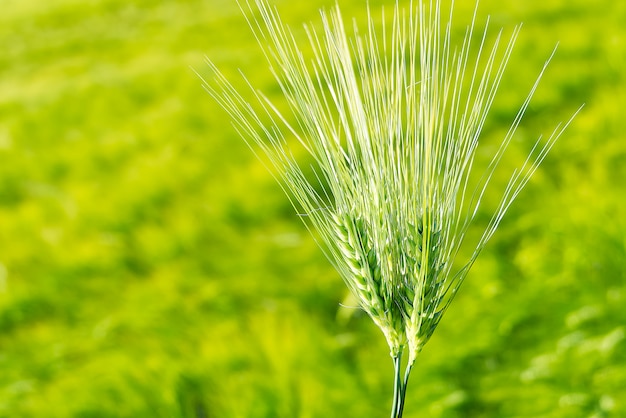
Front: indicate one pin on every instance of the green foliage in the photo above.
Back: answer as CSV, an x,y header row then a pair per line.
x,y
149,266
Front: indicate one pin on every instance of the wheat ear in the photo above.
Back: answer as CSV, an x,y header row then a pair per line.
x,y
392,120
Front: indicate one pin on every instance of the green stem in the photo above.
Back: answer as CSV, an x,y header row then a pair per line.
x,y
404,384
397,386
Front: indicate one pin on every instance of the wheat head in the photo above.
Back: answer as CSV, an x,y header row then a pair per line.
x,y
392,119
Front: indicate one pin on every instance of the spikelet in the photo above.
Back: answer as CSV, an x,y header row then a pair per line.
x,y
362,274
396,302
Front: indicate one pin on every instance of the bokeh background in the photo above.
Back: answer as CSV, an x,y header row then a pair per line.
x,y
151,267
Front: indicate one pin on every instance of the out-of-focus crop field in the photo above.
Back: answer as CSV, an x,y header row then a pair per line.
x,y
151,267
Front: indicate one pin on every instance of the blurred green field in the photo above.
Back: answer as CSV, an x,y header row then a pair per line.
x,y
151,267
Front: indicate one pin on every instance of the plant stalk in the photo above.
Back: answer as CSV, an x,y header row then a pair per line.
x,y
407,373
397,386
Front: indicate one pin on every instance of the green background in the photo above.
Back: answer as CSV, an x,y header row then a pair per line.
x,y
151,267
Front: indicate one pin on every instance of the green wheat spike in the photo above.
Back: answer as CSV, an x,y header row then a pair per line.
x,y
392,119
